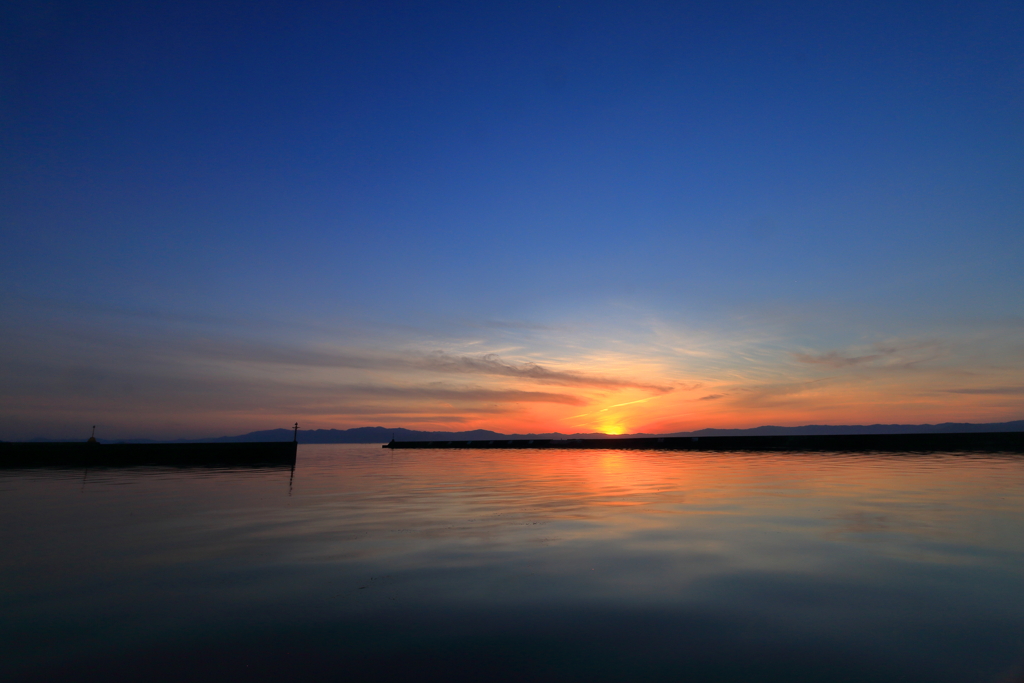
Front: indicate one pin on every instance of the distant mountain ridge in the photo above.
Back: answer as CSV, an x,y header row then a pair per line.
x,y
384,434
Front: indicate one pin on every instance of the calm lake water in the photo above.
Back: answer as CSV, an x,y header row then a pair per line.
x,y
368,564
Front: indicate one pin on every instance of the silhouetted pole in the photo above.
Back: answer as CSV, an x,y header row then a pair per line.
x,y
92,438
295,440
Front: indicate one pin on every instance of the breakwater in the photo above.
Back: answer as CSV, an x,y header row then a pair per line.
x,y
980,442
280,453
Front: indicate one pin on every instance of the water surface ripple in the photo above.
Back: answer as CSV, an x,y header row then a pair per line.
x,y
369,564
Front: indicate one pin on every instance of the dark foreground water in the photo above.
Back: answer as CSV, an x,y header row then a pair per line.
x,y
519,565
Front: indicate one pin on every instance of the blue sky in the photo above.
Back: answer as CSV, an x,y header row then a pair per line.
x,y
221,216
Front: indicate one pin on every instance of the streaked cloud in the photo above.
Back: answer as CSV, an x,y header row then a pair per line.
x,y
491,364
462,394
440,362
834,359
893,354
992,391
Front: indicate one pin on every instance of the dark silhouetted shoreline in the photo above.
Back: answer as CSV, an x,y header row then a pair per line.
x,y
979,442
80,454
385,434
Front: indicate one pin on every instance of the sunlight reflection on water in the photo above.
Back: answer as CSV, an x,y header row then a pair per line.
x,y
548,565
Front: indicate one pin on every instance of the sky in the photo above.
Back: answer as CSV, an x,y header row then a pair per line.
x,y
219,217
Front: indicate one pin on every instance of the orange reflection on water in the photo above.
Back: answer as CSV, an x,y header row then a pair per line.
x,y
785,547
892,501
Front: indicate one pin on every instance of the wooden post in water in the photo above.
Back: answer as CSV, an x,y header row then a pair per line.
x,y
295,435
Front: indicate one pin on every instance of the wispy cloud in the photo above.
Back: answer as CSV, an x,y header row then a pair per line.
x,y
899,354
463,394
629,403
617,405
710,397
510,325
440,362
834,359
491,364
775,393
995,391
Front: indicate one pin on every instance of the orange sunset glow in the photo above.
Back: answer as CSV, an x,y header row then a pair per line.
x,y
641,387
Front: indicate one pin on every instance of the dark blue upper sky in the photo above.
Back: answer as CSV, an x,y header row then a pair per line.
x,y
405,175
